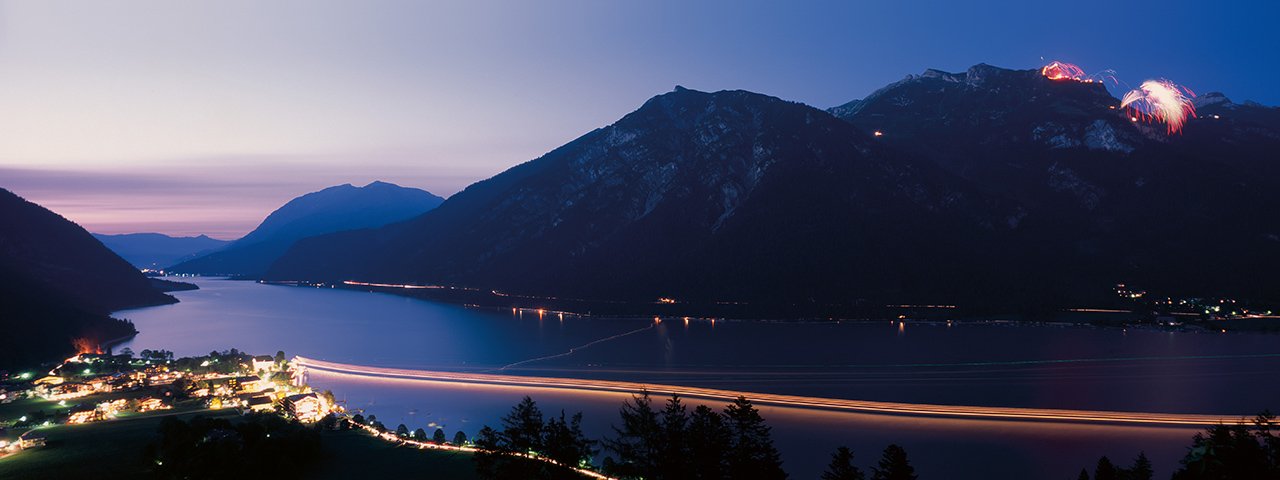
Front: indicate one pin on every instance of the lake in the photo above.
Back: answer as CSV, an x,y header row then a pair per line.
x,y
964,364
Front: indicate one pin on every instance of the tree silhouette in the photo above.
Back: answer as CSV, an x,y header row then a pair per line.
x,y
673,451
1105,470
1234,451
459,438
708,443
636,442
894,465
841,466
565,443
1141,469
506,454
522,428
751,452
437,437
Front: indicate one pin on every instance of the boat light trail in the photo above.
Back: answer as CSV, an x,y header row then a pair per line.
x,y
575,349
794,401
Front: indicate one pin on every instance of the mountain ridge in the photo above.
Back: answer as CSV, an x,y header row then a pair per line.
x,y
332,209
157,250
58,285
995,188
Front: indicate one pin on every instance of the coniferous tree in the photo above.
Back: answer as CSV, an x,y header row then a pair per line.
x,y
636,442
1105,470
894,465
673,456
1141,469
565,443
522,428
841,466
751,450
708,444
500,454
1233,451
1263,425
490,457
1084,474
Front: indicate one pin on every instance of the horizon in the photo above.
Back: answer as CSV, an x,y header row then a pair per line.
x,y
206,119
722,239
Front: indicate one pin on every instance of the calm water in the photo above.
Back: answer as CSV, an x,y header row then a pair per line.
x,y
1031,366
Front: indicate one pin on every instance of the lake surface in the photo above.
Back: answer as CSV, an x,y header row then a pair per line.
x,y
985,364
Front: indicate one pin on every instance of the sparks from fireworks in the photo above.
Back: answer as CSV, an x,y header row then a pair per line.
x,y
1057,70
1063,71
1162,101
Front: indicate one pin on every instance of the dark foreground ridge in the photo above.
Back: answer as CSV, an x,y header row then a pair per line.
x,y
58,284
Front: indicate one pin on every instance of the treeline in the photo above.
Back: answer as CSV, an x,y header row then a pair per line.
x,y
257,446
664,443
1222,452
402,431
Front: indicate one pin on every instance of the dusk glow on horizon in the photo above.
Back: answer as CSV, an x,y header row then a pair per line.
x,y
187,119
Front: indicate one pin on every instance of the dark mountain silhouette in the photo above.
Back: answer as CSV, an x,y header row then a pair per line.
x,y
715,196
58,284
1181,213
993,188
333,209
155,250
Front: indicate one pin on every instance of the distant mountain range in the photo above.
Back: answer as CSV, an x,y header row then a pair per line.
x,y
58,285
992,188
155,250
334,209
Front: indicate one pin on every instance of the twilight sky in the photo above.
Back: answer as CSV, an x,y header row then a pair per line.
x,y
202,117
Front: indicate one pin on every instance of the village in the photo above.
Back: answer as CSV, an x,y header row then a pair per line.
x,y
89,388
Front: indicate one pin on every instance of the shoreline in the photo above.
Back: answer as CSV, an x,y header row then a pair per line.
x,y
107,345
449,295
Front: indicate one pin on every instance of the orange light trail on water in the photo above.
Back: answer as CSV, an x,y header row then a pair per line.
x,y
794,401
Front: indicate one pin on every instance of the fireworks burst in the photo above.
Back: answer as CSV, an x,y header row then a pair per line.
x,y
1063,71
1070,71
1162,101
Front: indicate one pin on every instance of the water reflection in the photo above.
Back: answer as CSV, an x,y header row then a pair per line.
x,y
1002,365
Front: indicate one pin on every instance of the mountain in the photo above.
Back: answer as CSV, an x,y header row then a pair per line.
x,y
58,284
994,189
1183,213
155,250
715,196
334,209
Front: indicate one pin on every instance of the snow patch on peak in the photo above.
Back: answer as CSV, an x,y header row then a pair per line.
x,y
1100,135
945,76
1212,98
618,137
